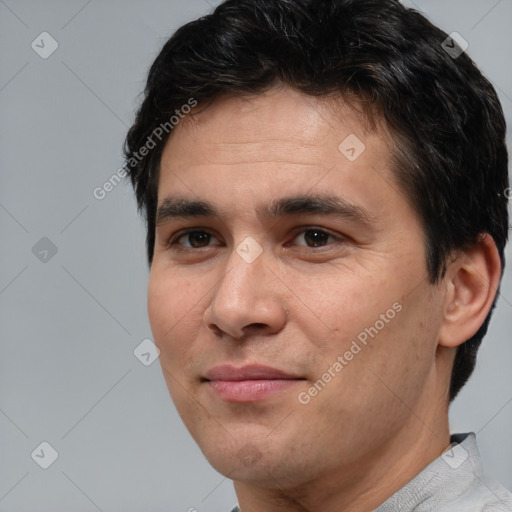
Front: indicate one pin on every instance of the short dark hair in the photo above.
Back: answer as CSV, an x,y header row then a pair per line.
x,y
445,118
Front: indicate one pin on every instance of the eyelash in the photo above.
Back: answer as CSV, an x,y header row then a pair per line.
x,y
173,243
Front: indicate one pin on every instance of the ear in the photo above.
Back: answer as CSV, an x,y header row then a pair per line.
x,y
472,282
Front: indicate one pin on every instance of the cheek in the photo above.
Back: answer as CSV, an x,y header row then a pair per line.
x,y
160,309
400,357
169,312
387,332
169,299
379,376
343,304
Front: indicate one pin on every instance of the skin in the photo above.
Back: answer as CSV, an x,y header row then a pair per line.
x,y
297,307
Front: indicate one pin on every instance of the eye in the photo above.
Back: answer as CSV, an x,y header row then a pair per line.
x,y
316,237
196,239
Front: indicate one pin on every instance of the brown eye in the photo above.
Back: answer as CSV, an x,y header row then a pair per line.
x,y
194,239
199,238
315,237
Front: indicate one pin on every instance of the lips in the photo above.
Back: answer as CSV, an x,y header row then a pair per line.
x,y
250,372
248,384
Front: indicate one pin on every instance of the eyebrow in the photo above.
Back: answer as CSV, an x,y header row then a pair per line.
x,y
320,204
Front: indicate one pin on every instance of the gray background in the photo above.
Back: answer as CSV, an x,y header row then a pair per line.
x,y
70,323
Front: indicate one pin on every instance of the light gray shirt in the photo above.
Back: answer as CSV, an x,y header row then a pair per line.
x,y
454,482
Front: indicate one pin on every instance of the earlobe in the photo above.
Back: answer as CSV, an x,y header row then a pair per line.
x,y
473,280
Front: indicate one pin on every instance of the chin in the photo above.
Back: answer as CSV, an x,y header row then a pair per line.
x,y
239,458
261,463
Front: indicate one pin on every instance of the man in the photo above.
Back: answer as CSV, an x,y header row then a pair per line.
x,y
324,184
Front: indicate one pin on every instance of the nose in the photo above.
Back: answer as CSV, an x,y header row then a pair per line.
x,y
246,300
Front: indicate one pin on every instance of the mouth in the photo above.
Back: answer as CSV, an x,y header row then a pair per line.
x,y
248,384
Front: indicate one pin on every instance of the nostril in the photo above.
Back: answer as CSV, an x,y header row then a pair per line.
x,y
257,326
215,329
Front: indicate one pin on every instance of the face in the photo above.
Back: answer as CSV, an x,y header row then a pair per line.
x,y
288,293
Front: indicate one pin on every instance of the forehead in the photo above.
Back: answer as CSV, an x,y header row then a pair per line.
x,y
280,125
